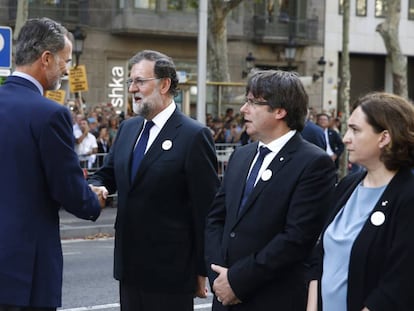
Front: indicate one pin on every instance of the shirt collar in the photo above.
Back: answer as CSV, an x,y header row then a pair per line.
x,y
162,118
277,144
30,78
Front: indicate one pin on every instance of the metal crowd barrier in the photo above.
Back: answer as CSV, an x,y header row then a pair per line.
x,y
223,154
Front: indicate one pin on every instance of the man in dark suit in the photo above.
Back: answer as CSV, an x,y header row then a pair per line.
x,y
162,204
259,235
39,169
334,144
313,133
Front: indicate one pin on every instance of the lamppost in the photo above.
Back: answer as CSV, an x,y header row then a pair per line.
x,y
290,52
321,68
79,37
250,59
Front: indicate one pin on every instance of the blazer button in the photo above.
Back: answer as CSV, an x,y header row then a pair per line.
x,y
232,234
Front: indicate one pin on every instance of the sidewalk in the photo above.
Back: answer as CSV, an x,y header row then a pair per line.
x,y
75,228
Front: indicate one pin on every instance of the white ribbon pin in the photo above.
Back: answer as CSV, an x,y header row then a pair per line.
x,y
377,218
266,175
166,145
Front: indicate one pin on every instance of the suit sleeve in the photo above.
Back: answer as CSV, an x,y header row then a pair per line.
x,y
64,176
105,176
201,168
306,213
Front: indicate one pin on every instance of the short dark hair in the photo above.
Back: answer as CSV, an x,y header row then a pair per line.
x,y
36,36
281,89
323,114
386,111
163,68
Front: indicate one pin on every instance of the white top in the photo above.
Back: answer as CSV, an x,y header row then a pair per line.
x,y
159,122
85,147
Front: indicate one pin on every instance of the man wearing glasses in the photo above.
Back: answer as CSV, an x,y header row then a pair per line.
x,y
271,206
163,165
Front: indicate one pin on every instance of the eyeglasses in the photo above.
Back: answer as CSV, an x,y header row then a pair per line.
x,y
138,81
252,102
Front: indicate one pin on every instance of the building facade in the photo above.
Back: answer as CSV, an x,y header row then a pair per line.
x,y
116,29
369,64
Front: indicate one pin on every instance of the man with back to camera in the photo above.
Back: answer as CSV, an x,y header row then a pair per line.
x,y
163,165
40,171
260,232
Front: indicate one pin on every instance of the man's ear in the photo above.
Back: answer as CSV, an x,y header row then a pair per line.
x,y
165,84
46,58
280,113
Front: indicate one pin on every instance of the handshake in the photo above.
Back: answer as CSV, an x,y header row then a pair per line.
x,y
101,192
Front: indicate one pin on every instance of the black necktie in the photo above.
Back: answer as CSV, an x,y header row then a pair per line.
x,y
140,149
263,151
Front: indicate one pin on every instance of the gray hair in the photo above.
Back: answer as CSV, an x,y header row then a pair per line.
x,y
36,36
163,68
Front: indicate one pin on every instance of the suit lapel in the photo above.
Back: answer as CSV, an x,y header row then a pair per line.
x,y
278,162
131,141
247,156
164,142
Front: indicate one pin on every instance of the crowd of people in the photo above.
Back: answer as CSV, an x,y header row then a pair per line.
x,y
278,232
95,130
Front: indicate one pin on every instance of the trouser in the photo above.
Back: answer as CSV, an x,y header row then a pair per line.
x,y
134,299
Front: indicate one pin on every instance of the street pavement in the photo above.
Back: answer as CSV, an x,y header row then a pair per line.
x,y
75,228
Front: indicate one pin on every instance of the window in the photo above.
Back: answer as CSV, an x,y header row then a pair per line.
x,y
411,9
381,8
145,4
361,7
182,5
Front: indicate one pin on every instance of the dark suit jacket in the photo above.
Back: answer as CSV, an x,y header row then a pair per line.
x,y
265,247
314,133
381,269
160,223
336,143
40,172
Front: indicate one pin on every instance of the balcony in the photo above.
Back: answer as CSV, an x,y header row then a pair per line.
x,y
305,31
163,23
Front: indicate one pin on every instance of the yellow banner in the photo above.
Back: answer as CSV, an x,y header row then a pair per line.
x,y
77,79
57,96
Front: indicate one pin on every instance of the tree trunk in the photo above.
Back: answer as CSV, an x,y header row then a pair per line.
x,y
217,39
21,16
345,82
389,33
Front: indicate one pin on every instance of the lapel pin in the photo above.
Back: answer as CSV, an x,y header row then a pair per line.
x,y
377,218
281,159
384,203
266,175
167,144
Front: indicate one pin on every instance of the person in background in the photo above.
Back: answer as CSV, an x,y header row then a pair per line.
x,y
86,145
271,205
40,171
163,165
334,144
103,145
76,125
364,259
93,126
113,128
313,133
